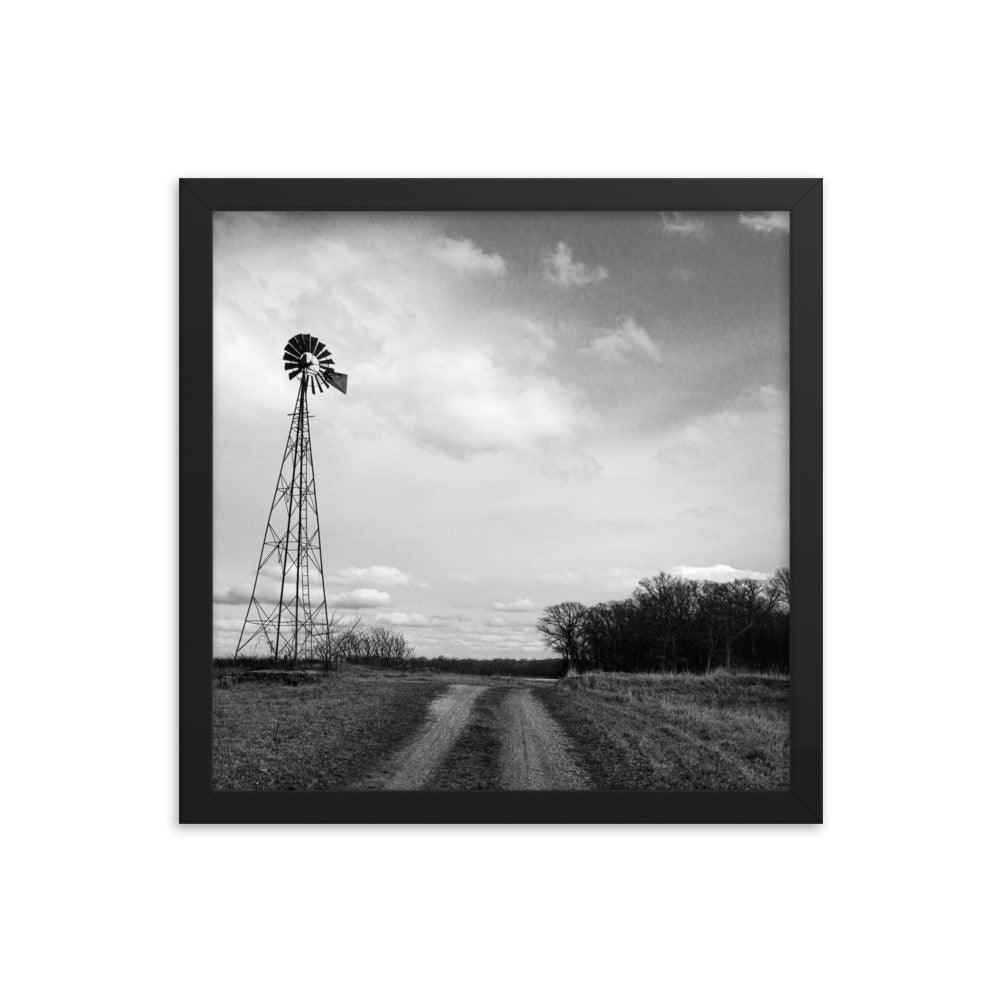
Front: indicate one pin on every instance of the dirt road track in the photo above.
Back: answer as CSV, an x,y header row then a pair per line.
x,y
534,753
416,762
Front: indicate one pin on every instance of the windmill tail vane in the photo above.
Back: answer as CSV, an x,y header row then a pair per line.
x,y
287,616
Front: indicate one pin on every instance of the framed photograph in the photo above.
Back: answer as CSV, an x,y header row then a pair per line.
x,y
490,492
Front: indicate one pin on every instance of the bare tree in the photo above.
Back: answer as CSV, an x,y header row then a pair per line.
x,y
340,641
733,609
380,646
398,652
350,640
669,606
781,588
562,628
599,637
610,637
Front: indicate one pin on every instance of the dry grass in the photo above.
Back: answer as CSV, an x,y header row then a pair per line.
x,y
662,731
641,731
322,735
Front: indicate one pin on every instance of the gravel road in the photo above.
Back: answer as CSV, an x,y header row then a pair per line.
x,y
449,713
535,753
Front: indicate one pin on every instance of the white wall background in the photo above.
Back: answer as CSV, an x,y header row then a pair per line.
x,y
106,104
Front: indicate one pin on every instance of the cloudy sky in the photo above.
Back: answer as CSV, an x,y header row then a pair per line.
x,y
542,407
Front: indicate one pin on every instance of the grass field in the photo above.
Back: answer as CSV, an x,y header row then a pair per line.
x,y
312,730
679,732
325,733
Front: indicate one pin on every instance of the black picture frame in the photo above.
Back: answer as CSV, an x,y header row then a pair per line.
x,y
802,802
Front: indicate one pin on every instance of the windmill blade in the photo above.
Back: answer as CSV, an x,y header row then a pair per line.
x,y
317,376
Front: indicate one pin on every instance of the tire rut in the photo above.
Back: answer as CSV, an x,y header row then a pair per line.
x,y
534,750
415,764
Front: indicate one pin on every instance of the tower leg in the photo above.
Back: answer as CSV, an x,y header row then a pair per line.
x,y
290,554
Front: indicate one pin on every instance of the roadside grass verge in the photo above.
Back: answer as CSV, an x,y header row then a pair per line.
x,y
677,731
321,735
473,762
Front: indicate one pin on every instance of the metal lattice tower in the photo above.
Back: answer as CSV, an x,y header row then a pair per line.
x,y
282,616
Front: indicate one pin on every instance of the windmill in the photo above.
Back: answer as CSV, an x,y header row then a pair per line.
x,y
283,612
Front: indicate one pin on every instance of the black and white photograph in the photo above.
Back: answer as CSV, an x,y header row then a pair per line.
x,y
435,404
500,501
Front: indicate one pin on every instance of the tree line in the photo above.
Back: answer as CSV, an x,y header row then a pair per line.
x,y
351,640
674,625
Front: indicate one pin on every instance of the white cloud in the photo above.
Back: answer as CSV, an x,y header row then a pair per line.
x,y
227,625
561,269
463,403
373,576
269,586
622,580
521,604
465,256
231,595
623,343
464,576
268,590
363,597
765,222
684,225
719,573
401,618
535,344
404,619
